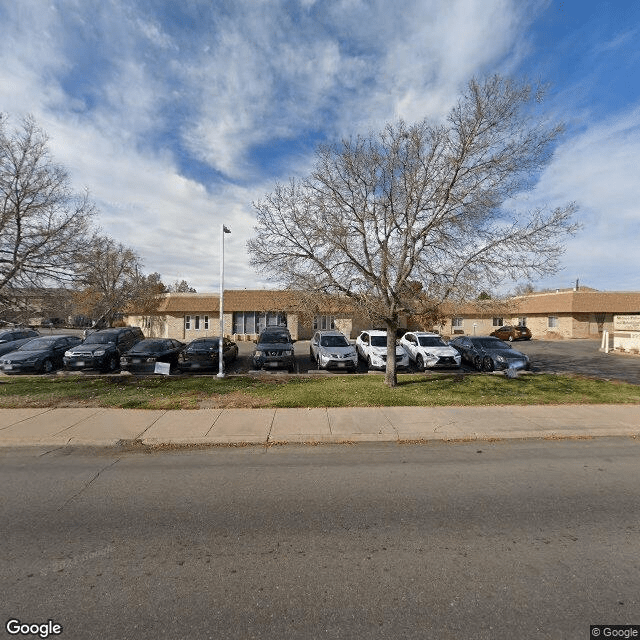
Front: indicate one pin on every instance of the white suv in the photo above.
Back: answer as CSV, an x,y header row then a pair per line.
x,y
372,347
332,350
429,350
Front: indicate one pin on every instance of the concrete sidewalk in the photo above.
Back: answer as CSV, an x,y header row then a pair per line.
x,y
86,426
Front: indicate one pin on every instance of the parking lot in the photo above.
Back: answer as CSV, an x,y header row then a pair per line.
x,y
582,357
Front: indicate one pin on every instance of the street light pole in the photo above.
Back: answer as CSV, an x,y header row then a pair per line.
x,y
223,230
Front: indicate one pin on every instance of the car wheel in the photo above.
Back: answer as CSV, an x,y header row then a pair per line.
x,y
477,363
368,362
112,364
47,366
420,363
487,364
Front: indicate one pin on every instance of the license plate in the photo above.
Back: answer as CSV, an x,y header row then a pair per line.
x,y
136,361
80,363
272,364
341,364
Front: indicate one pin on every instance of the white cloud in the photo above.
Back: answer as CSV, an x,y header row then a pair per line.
x,y
598,170
259,74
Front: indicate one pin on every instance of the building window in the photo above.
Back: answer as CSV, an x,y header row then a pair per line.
x,y
553,322
196,324
187,323
522,322
456,323
252,322
324,323
498,322
206,322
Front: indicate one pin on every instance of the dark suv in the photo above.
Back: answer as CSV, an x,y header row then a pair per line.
x,y
274,349
102,349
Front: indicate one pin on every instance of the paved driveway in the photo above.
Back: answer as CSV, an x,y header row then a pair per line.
x,y
580,356
552,356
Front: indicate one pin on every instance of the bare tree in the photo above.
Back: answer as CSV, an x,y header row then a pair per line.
x,y
181,286
111,279
419,203
44,226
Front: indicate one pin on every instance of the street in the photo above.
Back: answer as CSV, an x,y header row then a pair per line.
x,y
527,539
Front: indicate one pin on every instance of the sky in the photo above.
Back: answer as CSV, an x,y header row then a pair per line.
x,y
176,116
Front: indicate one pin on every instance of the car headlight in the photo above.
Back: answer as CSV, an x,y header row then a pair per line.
x,y
500,359
99,352
68,354
258,354
288,352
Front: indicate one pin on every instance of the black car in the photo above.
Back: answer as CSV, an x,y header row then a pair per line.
x,y
11,339
102,349
486,353
274,349
202,354
144,355
39,355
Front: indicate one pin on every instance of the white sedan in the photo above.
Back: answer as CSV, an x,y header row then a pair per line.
x,y
429,350
372,347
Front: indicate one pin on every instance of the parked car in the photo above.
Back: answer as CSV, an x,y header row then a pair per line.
x,y
486,353
429,350
11,339
274,349
202,354
511,333
102,349
144,355
38,355
332,350
372,348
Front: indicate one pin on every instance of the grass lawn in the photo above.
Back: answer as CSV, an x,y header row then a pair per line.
x,y
325,391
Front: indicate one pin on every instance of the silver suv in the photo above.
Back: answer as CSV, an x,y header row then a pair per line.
x,y
332,350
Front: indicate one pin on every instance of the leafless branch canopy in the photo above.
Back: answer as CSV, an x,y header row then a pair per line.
x,y
419,203
44,226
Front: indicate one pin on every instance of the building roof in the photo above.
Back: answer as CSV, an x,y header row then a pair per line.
x,y
561,301
572,301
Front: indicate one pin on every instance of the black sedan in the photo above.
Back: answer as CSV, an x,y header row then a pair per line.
x,y
13,339
146,354
39,355
202,354
485,353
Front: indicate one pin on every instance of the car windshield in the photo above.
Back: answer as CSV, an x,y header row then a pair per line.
x,y
491,343
147,346
204,345
274,338
334,341
431,341
100,338
378,341
38,343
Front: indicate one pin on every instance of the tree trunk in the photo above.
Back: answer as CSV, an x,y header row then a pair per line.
x,y
390,376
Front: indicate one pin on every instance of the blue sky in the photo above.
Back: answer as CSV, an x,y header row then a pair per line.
x,y
177,115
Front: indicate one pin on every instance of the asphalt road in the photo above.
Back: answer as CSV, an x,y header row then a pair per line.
x,y
492,540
